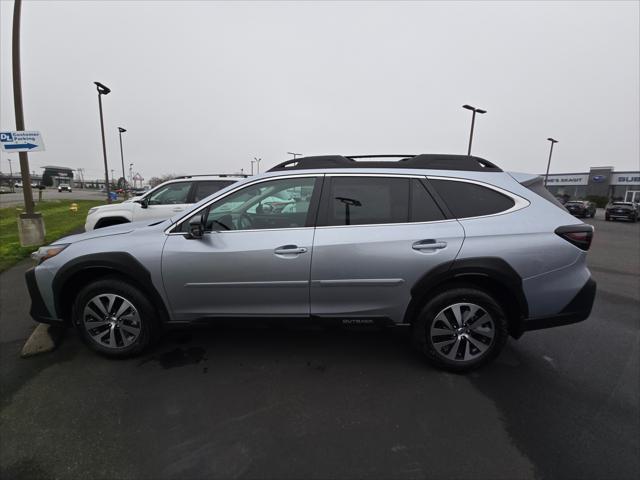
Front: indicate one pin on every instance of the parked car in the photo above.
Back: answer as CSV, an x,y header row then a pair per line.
x,y
622,211
166,200
39,186
64,187
581,208
462,252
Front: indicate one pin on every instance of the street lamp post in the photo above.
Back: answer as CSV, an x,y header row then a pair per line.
x,y
473,121
124,178
294,154
257,160
546,175
103,90
131,174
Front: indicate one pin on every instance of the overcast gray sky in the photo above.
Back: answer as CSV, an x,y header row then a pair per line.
x,y
206,86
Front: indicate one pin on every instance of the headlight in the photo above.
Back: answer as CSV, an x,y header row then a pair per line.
x,y
44,253
92,210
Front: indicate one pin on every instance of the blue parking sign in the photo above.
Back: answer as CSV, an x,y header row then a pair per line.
x,y
6,137
21,141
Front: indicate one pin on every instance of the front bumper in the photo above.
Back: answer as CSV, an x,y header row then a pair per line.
x,y
576,311
39,311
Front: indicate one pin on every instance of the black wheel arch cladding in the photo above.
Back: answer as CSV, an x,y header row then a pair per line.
x,y
119,263
494,269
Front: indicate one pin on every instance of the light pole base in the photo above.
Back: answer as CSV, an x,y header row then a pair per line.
x,y
31,229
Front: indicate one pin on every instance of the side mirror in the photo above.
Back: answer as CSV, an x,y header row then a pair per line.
x,y
196,227
143,202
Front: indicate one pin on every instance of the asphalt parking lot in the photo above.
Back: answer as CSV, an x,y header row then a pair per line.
x,y
308,403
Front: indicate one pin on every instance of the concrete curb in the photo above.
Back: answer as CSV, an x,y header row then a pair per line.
x,y
44,339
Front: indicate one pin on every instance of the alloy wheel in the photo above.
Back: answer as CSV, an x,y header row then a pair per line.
x,y
111,320
462,332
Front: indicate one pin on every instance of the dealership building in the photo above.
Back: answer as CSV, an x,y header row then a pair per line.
x,y
54,176
598,182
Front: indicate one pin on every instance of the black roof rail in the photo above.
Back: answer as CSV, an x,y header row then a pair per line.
x,y
380,156
423,161
241,175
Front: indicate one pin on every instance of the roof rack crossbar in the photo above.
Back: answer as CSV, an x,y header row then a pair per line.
x,y
379,156
423,161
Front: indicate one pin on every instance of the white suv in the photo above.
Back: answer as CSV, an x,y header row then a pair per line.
x,y
164,201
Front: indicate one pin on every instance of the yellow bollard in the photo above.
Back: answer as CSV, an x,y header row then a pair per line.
x,y
73,207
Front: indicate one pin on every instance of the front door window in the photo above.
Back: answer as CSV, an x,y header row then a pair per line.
x,y
268,205
171,194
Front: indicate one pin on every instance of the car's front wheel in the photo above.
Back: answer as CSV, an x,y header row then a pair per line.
x,y
460,329
114,317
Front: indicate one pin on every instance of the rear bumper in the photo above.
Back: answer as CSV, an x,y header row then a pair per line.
x,y
620,216
578,213
624,214
576,311
39,311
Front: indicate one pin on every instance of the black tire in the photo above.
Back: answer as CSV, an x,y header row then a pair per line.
x,y
423,341
141,316
607,218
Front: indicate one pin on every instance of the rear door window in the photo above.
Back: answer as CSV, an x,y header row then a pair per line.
x,y
366,200
204,189
423,207
471,200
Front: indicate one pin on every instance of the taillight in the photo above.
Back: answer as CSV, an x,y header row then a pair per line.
x,y
578,235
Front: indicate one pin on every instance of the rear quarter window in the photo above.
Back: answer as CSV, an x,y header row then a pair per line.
x,y
537,186
471,200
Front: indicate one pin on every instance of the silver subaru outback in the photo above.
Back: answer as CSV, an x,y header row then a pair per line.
x,y
462,252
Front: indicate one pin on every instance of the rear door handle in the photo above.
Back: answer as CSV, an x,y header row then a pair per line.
x,y
289,250
429,245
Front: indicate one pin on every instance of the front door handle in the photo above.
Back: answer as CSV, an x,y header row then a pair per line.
x,y
429,245
178,209
289,250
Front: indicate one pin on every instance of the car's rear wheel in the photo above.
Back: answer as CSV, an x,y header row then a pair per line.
x,y
460,329
114,317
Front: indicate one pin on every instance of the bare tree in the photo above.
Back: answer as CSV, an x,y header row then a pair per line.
x,y
155,181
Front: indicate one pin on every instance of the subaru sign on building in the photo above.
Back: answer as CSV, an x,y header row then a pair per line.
x,y
598,182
